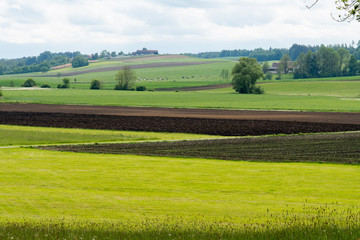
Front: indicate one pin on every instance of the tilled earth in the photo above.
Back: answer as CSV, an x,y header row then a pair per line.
x,y
336,148
213,122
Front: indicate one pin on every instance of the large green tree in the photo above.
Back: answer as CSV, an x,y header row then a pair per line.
x,y
329,61
284,63
126,78
344,59
245,74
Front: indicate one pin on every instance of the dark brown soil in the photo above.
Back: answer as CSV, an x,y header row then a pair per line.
x,y
338,148
287,116
203,121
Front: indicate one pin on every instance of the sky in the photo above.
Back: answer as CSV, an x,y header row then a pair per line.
x,y
28,28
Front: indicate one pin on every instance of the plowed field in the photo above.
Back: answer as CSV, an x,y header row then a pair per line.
x,y
216,122
335,148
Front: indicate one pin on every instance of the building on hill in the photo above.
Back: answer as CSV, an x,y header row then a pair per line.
x,y
146,52
274,67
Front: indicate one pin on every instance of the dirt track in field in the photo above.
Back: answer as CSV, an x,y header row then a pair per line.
x,y
195,88
138,66
204,121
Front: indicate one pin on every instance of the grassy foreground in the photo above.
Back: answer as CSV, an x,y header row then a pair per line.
x,y
325,224
71,195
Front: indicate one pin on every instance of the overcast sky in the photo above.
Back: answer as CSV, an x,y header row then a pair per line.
x,y
28,28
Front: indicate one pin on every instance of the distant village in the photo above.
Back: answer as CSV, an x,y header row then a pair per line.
x,y
144,51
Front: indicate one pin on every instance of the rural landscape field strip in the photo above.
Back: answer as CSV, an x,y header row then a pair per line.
x,y
224,127
300,116
331,148
21,136
194,100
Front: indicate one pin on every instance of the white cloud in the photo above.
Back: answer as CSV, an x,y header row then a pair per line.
x,y
171,26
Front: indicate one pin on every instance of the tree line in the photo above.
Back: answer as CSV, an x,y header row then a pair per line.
x,y
41,63
47,59
275,54
259,53
326,62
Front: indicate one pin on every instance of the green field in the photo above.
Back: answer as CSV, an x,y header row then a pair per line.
x,y
152,78
45,186
201,99
48,195
350,89
20,135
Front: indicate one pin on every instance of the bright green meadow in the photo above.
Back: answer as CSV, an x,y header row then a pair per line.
x,y
348,89
201,99
21,135
193,194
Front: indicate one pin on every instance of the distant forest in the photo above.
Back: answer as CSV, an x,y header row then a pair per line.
x,y
41,63
274,54
47,59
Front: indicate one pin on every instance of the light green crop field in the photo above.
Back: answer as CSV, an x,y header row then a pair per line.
x,y
201,99
161,77
332,88
21,135
349,89
45,186
105,63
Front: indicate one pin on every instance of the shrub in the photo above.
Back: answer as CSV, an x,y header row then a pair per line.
x,y
118,87
66,83
29,83
258,90
95,84
140,88
1,94
45,85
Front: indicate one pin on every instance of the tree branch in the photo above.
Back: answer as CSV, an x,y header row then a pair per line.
x,y
308,7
